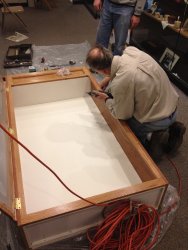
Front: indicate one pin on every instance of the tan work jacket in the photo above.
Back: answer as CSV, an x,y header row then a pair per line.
x,y
140,88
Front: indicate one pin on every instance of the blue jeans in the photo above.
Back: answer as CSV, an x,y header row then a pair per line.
x,y
142,129
114,17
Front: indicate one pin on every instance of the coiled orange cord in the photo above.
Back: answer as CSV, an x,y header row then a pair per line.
x,y
128,226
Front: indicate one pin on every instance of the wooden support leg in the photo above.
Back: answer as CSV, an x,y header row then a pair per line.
x,y
3,21
47,4
20,20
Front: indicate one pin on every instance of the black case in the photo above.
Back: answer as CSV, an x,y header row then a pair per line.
x,y
18,55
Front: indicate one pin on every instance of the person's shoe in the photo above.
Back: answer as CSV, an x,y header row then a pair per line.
x,y
155,146
176,132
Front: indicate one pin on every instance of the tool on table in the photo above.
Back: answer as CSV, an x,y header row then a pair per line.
x,y
54,66
96,93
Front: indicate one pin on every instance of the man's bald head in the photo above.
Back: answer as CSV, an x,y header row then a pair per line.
x,y
99,58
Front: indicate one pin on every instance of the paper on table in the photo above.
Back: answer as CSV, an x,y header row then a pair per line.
x,y
18,37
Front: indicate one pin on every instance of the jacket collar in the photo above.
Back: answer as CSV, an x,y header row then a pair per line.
x,y
115,65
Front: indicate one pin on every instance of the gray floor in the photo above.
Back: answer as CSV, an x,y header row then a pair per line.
x,y
73,24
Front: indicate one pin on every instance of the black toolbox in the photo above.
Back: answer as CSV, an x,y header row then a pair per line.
x,y
18,55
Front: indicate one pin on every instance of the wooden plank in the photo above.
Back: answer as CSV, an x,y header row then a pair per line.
x,y
51,75
18,187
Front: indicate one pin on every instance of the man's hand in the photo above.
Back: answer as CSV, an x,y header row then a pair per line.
x,y
135,20
104,83
99,94
97,4
102,96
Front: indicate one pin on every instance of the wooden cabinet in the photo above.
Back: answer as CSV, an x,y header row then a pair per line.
x,y
95,155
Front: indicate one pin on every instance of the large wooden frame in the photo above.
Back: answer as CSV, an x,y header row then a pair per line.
x,y
61,221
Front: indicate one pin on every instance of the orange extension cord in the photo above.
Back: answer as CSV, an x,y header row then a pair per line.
x,y
130,225
127,225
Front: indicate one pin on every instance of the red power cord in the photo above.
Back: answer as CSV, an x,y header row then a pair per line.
x,y
128,225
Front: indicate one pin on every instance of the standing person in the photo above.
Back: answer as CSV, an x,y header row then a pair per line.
x,y
119,16
139,91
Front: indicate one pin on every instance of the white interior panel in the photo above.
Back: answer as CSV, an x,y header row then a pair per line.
x,y
72,138
46,92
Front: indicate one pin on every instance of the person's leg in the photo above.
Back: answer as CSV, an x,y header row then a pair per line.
x,y
104,29
141,130
138,129
159,134
121,26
